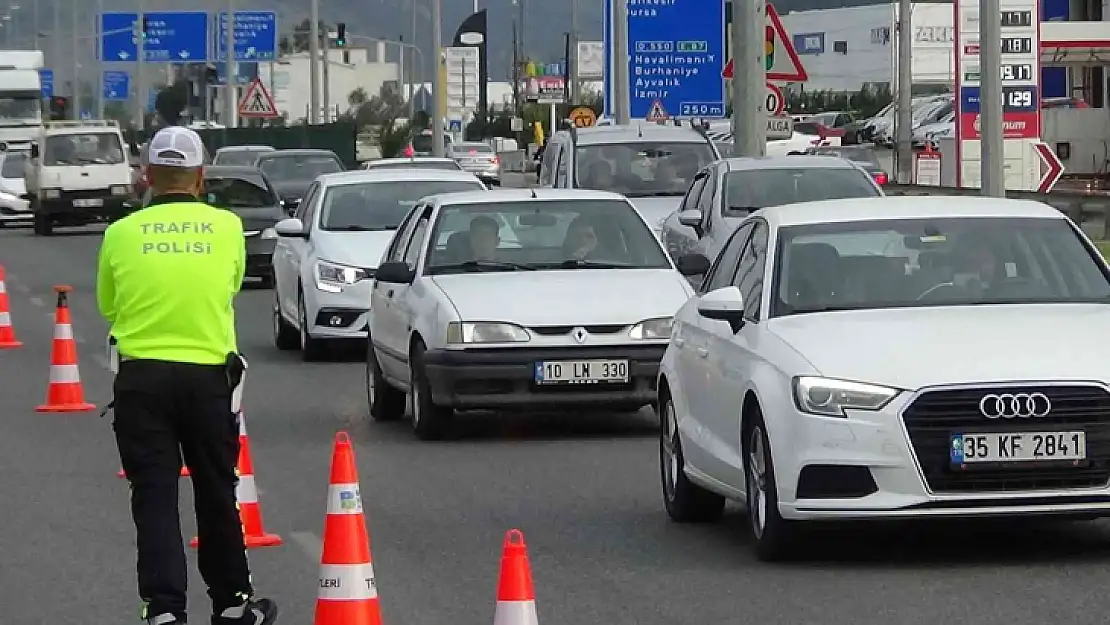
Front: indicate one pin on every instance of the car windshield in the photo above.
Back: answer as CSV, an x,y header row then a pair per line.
x,y
93,148
855,154
547,235
14,163
439,165
751,190
641,169
471,148
239,193
372,206
933,262
237,157
20,108
301,167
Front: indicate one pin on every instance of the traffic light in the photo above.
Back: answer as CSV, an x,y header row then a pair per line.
x,y
769,48
59,107
341,35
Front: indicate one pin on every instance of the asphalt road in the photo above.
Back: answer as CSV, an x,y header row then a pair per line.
x,y
583,488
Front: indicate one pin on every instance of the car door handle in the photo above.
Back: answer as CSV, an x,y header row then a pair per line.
x,y
702,352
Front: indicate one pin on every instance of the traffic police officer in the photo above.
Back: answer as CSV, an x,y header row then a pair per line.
x,y
166,281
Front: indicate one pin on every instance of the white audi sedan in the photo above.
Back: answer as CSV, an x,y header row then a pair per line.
x,y
542,299
326,254
890,358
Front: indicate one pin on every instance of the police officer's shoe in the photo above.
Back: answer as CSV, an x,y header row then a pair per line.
x,y
251,612
165,619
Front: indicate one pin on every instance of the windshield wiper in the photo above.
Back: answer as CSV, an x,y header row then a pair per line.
x,y
481,265
746,209
574,263
354,228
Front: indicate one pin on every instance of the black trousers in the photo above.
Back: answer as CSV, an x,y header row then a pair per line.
x,y
164,411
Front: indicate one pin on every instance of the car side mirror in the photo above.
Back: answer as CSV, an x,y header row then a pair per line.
x,y
34,150
691,265
291,227
724,304
395,273
692,219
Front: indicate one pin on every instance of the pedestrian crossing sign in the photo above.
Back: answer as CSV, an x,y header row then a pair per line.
x,y
256,102
657,113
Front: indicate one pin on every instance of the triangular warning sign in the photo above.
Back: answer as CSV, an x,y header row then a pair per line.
x,y
785,64
257,102
657,113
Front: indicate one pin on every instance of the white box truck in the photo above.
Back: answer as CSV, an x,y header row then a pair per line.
x,y
20,97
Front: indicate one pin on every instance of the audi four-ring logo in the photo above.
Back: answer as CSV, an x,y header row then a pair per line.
x,y
1017,405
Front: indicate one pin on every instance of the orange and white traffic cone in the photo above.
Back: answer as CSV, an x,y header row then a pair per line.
x,y
7,332
516,599
64,392
121,474
246,496
348,594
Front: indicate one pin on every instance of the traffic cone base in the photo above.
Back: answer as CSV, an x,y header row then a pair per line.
x,y
7,332
64,392
342,590
515,613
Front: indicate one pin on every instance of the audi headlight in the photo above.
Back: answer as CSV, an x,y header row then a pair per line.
x,y
659,328
269,233
332,277
52,194
468,332
121,189
828,397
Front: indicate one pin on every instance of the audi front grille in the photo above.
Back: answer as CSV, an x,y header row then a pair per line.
x,y
935,415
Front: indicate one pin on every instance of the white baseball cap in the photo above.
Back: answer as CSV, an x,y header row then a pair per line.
x,y
176,146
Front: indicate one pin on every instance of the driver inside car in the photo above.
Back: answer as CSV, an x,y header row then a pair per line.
x,y
484,236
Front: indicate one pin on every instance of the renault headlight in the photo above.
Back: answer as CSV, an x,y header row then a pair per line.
x,y
659,328
121,189
332,277
467,332
52,194
829,397
269,233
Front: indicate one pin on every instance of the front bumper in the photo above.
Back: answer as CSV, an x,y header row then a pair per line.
x,y
342,315
260,256
64,210
504,378
894,463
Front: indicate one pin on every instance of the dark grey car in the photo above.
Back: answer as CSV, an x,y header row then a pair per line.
x,y
293,171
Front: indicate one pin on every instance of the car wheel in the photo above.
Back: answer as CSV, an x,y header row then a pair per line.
x,y
686,502
772,534
386,402
312,349
429,421
43,226
285,335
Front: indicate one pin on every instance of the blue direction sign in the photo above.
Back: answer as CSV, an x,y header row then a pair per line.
x,y
151,100
46,77
256,36
676,53
117,85
179,37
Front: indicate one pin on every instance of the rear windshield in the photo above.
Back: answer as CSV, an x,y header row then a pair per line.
x,y
749,191
237,157
239,193
299,167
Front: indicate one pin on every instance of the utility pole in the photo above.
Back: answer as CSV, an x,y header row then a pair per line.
x,y
437,92
622,89
99,95
749,119
35,20
76,84
903,122
990,99
56,36
314,63
514,75
573,56
140,57
412,66
326,60
231,90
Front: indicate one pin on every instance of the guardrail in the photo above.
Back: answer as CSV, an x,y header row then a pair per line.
x,y
1079,206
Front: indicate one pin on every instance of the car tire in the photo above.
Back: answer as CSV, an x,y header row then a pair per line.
x,y
429,421
685,501
312,350
43,226
285,335
386,402
772,535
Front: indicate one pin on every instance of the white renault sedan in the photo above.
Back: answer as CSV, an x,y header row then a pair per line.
x,y
326,254
519,299
882,358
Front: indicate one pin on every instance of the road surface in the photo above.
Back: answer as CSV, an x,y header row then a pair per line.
x,y
583,488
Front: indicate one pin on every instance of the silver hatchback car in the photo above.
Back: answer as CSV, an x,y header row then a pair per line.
x,y
479,159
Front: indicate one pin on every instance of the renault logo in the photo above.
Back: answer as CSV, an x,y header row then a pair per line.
x,y
580,334
1018,405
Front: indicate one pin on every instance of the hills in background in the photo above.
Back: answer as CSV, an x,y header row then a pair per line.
x,y
545,22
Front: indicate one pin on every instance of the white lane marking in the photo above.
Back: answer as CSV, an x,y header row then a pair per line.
x,y
19,286
37,301
309,543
